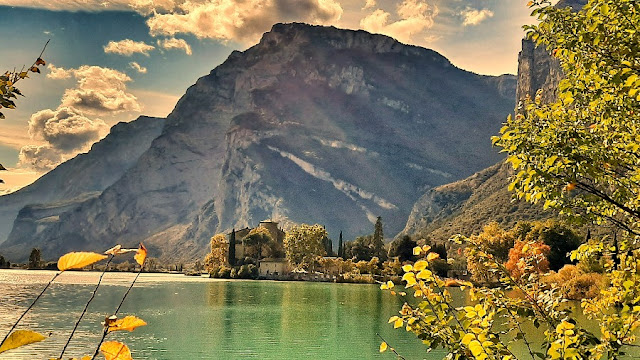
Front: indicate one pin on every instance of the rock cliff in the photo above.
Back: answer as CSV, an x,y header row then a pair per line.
x,y
312,124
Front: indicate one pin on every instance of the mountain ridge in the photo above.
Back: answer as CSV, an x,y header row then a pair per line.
x,y
312,124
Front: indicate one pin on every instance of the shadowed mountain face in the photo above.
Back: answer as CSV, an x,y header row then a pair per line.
x,y
313,124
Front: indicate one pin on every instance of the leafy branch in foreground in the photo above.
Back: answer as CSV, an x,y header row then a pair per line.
x,y
112,350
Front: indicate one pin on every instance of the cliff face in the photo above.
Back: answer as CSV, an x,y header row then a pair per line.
x,y
313,124
537,69
466,206
86,173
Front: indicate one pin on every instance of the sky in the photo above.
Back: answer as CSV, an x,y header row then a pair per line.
x,y
114,60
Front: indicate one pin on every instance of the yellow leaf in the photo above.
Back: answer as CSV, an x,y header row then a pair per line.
x,y
420,265
407,268
467,339
128,323
117,250
410,278
398,323
383,347
417,250
78,260
20,338
113,350
424,274
141,254
432,256
393,319
474,346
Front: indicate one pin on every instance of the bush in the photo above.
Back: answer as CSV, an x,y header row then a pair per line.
x,y
584,286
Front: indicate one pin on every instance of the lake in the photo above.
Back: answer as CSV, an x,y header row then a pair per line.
x,y
202,318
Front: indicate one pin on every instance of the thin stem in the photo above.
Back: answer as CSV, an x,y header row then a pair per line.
x,y
29,308
85,307
391,348
106,328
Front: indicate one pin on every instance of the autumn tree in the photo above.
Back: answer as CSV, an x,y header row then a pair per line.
x,y
527,257
494,241
218,254
560,239
256,242
303,243
579,154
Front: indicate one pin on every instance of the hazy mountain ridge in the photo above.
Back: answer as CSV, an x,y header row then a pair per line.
x,y
313,124
86,173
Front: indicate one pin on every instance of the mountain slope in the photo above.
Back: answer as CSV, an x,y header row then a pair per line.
x,y
313,124
466,206
93,172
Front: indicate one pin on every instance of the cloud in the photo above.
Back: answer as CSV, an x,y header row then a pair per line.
x,y
369,4
128,47
472,17
92,5
137,67
414,17
41,158
99,90
65,128
174,43
239,20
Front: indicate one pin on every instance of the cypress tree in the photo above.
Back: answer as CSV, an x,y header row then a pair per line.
x,y
377,242
232,248
340,247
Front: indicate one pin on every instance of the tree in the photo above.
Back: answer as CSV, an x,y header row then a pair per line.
x,y
340,247
360,249
231,258
303,243
403,248
527,257
256,241
34,259
560,239
494,241
218,254
581,155
377,242
328,246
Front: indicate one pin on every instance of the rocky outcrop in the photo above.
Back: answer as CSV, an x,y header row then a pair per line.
x,y
313,124
105,163
466,206
537,69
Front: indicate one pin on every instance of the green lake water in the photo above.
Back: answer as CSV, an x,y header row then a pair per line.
x,y
200,318
195,318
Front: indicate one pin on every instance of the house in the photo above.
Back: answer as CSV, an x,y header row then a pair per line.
x,y
272,267
272,227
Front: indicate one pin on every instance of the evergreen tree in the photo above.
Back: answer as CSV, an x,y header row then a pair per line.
x,y
232,248
377,243
340,247
403,248
34,258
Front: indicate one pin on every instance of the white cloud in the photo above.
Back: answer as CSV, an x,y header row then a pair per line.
x,y
65,128
41,158
473,16
137,67
239,20
369,4
99,90
128,47
173,43
414,17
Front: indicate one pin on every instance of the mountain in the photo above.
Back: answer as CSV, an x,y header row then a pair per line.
x,y
86,174
466,206
312,124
